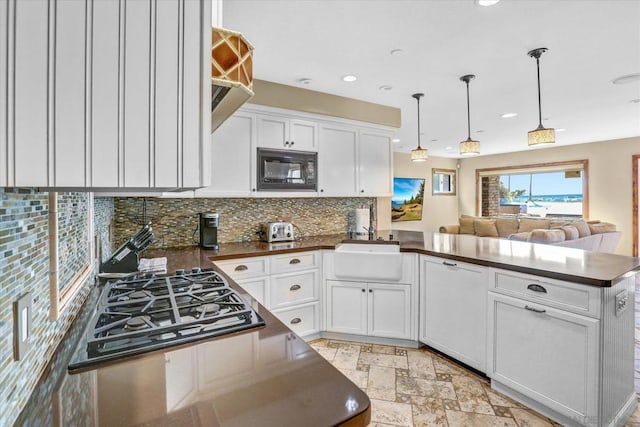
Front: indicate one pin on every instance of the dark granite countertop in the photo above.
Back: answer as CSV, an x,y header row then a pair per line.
x,y
574,265
267,377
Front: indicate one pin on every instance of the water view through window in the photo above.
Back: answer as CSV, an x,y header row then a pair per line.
x,y
555,194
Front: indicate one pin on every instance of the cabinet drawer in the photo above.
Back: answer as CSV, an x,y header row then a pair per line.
x,y
257,288
581,299
294,288
245,267
294,262
303,320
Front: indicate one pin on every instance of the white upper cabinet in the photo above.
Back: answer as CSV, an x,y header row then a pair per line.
x,y
374,164
337,173
105,94
285,133
232,157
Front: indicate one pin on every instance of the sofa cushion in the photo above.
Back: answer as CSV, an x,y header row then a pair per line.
x,y
570,232
466,224
506,226
546,236
529,224
583,228
519,237
558,223
601,227
485,228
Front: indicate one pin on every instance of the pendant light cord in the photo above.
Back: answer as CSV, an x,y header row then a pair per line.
x,y
539,97
418,99
468,114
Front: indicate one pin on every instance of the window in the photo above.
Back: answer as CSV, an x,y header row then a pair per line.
x,y
556,190
71,252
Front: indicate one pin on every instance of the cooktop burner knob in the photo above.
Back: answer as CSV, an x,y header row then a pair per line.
x,y
274,235
180,272
195,270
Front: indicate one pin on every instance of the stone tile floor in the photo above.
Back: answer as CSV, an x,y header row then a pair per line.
x,y
417,387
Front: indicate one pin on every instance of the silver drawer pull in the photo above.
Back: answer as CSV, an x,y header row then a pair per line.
x,y
294,261
535,310
241,267
449,264
295,321
537,288
295,287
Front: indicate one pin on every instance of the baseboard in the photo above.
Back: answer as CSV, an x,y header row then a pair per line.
x,y
371,340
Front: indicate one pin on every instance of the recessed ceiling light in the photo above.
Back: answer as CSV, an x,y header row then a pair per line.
x,y
396,52
635,101
349,78
305,81
560,130
629,78
448,148
385,87
486,2
395,140
508,115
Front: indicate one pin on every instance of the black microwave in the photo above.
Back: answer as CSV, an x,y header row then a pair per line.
x,y
287,170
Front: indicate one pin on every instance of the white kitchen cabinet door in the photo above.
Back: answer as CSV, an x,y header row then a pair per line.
x,y
375,164
180,374
28,94
303,135
232,158
389,310
105,94
453,309
284,133
547,354
346,307
337,174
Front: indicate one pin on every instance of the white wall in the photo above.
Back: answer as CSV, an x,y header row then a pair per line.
x,y
610,179
436,210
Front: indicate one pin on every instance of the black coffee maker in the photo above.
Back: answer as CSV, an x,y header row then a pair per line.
x,y
209,230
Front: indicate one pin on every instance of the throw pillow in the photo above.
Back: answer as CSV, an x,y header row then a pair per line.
x,y
466,224
583,228
485,227
602,227
506,226
546,236
529,224
570,232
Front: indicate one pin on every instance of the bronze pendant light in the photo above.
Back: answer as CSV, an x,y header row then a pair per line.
x,y
540,135
469,147
419,154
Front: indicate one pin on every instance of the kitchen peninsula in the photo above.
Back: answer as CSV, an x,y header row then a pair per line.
x,y
272,376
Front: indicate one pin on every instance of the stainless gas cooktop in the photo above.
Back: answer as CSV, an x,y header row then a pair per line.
x,y
143,313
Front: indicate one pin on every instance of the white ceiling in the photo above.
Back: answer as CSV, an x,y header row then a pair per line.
x,y
590,43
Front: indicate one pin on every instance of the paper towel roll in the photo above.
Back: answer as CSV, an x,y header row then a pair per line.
x,y
362,221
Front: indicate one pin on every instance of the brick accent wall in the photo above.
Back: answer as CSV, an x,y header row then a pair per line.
x,y
490,195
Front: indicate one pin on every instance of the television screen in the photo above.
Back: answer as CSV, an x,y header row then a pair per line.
x,y
406,202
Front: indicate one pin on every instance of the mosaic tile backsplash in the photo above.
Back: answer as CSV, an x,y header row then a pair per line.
x,y
174,221
24,267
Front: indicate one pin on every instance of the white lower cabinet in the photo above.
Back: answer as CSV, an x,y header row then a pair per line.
x,y
374,309
288,285
546,354
453,309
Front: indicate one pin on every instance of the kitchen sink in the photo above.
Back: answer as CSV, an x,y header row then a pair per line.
x,y
369,260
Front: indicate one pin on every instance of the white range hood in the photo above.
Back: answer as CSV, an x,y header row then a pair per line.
x,y
231,74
